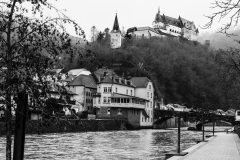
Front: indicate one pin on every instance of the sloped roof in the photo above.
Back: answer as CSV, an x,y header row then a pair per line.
x,y
83,80
107,79
187,24
101,71
171,21
140,82
116,25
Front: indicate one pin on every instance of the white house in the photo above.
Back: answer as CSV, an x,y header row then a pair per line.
x,y
117,98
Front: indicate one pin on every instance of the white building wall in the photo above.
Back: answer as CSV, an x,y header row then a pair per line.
x,y
173,30
146,93
115,88
79,98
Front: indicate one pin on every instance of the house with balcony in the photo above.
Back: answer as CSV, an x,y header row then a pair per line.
x,y
116,99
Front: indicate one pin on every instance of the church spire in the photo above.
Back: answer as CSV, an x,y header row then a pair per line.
x,y
116,25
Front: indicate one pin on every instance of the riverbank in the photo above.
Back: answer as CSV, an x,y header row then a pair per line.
x,y
61,126
140,144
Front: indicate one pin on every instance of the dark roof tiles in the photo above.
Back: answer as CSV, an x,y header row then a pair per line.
x,y
140,82
83,80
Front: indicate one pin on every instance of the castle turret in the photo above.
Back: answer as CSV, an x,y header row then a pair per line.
x,y
158,21
115,40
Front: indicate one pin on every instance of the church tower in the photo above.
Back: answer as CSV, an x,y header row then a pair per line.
x,y
115,35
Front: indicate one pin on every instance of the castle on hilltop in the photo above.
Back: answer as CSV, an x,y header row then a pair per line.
x,y
165,26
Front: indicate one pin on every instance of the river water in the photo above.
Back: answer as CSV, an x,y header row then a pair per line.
x,y
140,144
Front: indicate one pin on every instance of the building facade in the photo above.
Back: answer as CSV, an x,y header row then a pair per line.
x,y
84,86
144,89
118,98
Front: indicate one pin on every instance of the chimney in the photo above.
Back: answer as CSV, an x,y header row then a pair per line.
x,y
104,74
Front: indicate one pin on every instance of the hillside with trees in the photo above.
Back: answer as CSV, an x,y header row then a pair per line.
x,y
186,73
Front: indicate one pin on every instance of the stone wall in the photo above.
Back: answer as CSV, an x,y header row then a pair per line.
x,y
134,118
53,126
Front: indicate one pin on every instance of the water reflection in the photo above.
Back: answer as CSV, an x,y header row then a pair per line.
x,y
142,144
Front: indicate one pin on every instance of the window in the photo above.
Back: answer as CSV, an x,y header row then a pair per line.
x,y
142,119
126,91
151,95
104,99
108,110
151,112
122,100
151,105
109,89
131,92
116,89
151,119
119,111
150,87
147,94
105,89
99,100
109,100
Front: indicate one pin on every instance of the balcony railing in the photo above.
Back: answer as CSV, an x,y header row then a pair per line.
x,y
96,94
121,105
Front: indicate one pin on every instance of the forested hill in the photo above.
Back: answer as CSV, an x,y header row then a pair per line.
x,y
182,72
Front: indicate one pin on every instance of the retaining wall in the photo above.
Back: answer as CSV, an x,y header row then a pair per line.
x,y
54,126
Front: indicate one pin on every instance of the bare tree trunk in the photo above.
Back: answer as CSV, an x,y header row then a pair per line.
x,y
20,123
9,89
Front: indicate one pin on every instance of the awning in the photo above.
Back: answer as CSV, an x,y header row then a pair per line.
x,y
145,113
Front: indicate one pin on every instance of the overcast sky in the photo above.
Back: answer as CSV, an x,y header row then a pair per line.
x,y
134,13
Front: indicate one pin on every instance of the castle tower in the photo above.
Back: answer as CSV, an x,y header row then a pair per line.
x,y
158,21
115,35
